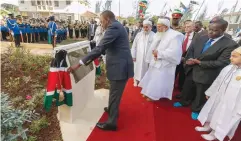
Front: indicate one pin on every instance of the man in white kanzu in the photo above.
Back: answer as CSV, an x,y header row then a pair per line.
x,y
139,50
165,54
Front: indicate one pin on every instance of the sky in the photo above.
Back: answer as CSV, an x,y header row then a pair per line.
x,y
156,6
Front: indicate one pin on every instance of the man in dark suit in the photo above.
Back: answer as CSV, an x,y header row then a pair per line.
x,y
189,35
119,64
91,30
198,32
204,61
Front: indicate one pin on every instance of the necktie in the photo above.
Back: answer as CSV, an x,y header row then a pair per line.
x,y
184,45
207,45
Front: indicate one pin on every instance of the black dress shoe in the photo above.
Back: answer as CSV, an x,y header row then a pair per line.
x,y
106,127
106,110
179,96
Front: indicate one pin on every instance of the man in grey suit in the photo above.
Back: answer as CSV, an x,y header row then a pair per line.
x,y
206,57
119,64
91,30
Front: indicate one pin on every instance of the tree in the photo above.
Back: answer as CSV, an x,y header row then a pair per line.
x,y
131,20
155,19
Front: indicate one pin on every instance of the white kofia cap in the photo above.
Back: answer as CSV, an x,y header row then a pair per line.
x,y
166,22
145,22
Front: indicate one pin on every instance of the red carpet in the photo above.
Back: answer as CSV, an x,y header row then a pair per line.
x,y
145,121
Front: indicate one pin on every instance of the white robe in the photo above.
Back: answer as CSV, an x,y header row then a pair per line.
x,y
139,50
158,81
223,108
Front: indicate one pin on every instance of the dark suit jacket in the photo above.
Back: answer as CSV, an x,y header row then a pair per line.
x,y
193,38
212,61
115,44
89,31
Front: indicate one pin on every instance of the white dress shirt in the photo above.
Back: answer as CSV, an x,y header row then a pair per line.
x,y
189,39
216,39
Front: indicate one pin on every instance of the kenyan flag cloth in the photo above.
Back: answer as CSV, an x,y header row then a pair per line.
x,y
97,65
58,81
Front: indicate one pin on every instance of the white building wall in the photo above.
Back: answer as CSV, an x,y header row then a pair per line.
x,y
27,6
43,7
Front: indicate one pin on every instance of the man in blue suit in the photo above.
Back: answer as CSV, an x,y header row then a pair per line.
x,y
119,64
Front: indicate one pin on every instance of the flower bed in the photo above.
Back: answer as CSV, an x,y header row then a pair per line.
x,y
23,80
24,77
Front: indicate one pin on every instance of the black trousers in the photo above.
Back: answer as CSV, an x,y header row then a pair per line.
x,y
25,37
36,37
194,93
180,70
53,40
17,39
77,33
71,33
116,89
29,37
4,35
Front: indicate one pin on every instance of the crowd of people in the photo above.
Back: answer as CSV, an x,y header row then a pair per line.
x,y
206,64
34,30
194,57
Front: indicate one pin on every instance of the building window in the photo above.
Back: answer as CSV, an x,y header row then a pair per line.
x,y
56,3
68,2
38,2
33,2
47,2
21,1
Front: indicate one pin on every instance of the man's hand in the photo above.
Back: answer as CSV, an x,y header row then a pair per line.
x,y
207,97
190,62
154,52
134,59
196,61
74,67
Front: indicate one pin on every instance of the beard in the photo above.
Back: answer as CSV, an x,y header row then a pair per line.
x,y
146,32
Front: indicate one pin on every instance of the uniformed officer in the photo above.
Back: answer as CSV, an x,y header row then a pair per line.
x,y
4,31
52,26
176,17
14,29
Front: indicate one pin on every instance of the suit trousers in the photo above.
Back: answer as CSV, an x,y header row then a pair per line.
x,y
116,89
194,93
188,91
200,98
181,73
